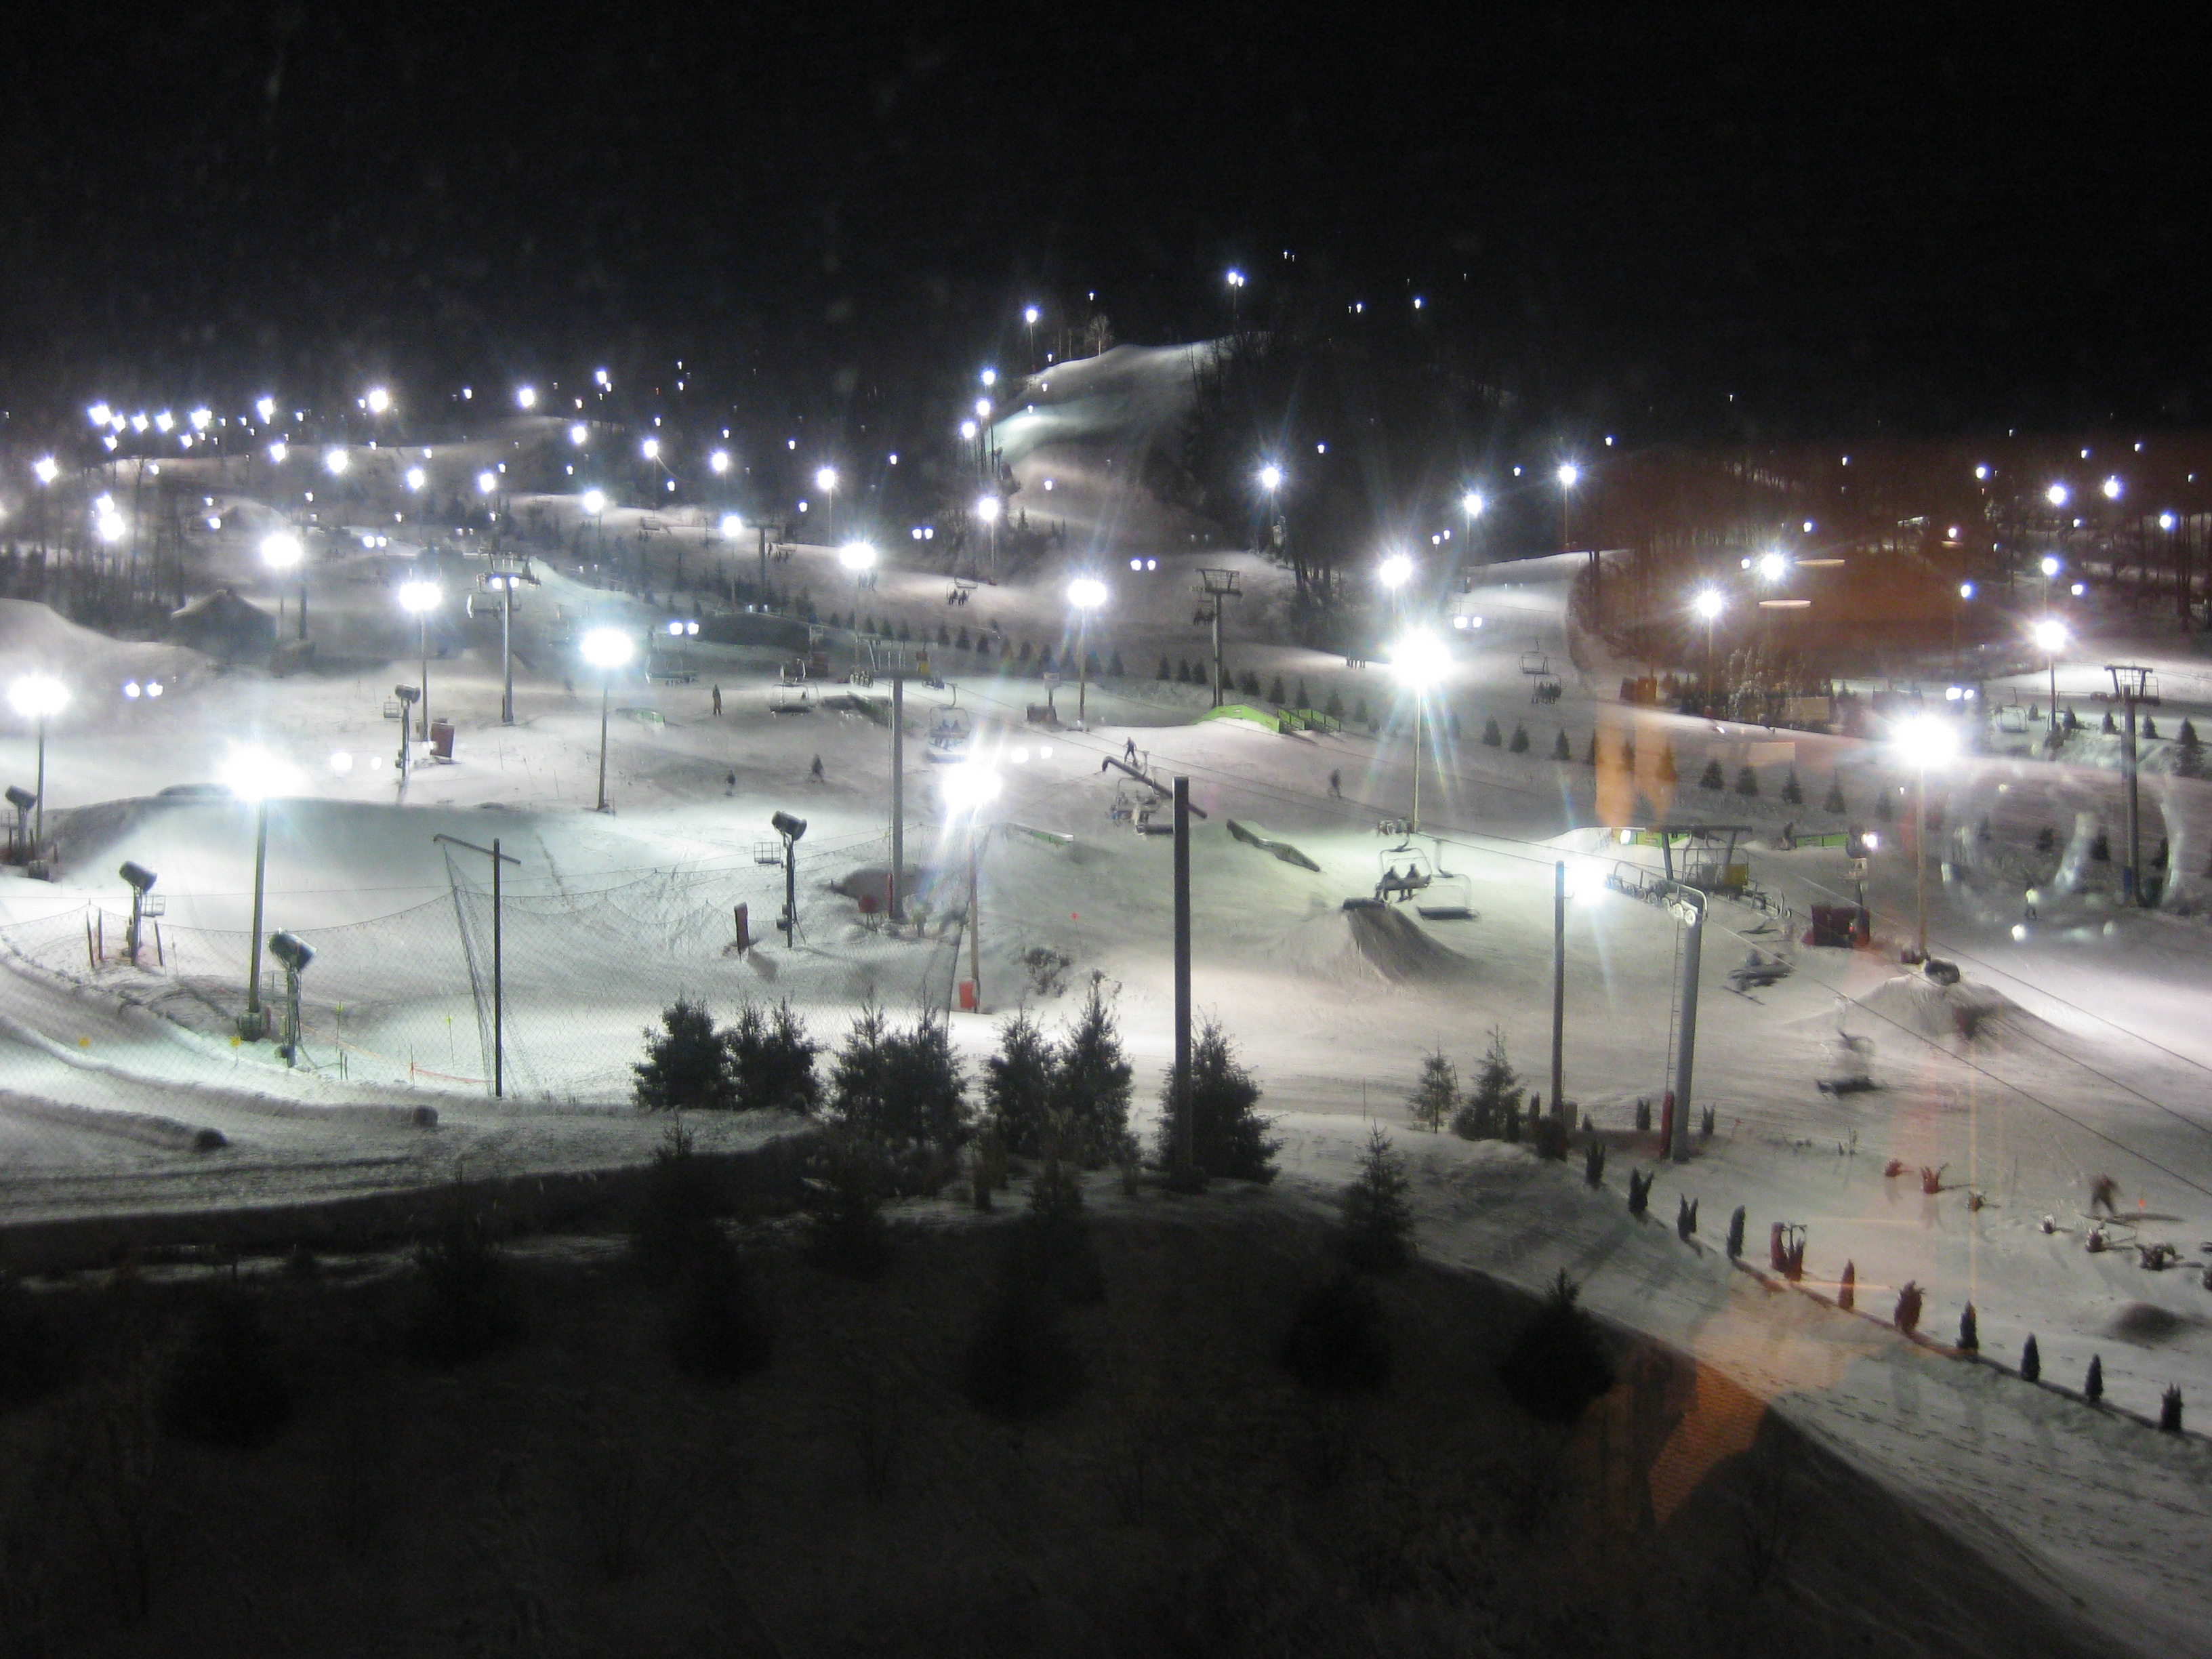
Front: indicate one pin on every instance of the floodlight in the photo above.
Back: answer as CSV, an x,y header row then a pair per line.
x,y
487,482
278,451
1773,566
1473,504
650,449
2050,566
1395,571
987,509
733,525
525,396
1029,316
379,400
825,478
1709,602
990,377
137,877
281,550
292,950
606,648
2113,488
578,433
857,556
266,409
790,828
34,697
970,788
2056,494
595,501
1924,740
47,469
335,461
1086,593
719,461
1966,590
967,430
1569,475
255,775
982,408
1271,478
1419,660
416,477
420,597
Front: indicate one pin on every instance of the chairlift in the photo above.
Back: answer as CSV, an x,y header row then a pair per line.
x,y
1404,872
1536,664
1547,691
790,698
951,734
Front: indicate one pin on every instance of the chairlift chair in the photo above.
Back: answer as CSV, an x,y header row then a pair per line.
x,y
1404,872
1536,663
950,737
790,698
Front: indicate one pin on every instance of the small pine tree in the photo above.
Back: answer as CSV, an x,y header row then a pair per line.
x,y
1492,1110
1746,783
1847,1291
2031,1360
1165,673
1561,749
1835,802
1594,1162
1275,691
1490,734
1298,696
2092,1385
898,1088
1114,667
1907,1316
1378,1209
1435,1096
1666,771
1639,1193
1229,1137
2149,726
1791,794
1882,805
1712,777
1090,1084
1018,1082
1557,1365
686,1067
1519,742
2169,1409
772,1059
1249,684
944,634
2189,756
1970,1331
2109,728
1735,1235
1589,755
1360,716
961,642
1335,706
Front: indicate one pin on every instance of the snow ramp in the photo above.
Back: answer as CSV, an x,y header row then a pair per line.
x,y
1980,1013
1371,945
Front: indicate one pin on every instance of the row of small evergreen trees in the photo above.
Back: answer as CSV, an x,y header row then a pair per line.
x,y
903,1087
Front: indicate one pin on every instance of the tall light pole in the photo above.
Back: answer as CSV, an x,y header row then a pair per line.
x,y
1235,280
826,480
1393,573
1709,602
1086,594
419,598
2049,635
1924,740
37,697
254,776
607,649
987,509
858,560
282,551
1028,324
1420,661
1472,505
967,790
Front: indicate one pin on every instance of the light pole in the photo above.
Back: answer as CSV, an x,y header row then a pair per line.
x,y
504,581
282,551
1709,604
1235,280
254,776
1086,594
595,503
826,480
987,509
2049,635
858,560
1420,661
1924,740
1393,573
967,790
1028,324
607,649
1473,506
36,697
419,598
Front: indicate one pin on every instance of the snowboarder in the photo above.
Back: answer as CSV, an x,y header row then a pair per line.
x,y
815,772
1336,783
718,701
1130,751
2103,1194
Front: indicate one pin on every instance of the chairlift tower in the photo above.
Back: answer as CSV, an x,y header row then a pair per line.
x,y
2132,684
1218,585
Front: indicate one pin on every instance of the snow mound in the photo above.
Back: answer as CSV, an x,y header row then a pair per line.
x,y
2147,1324
1371,945
1964,1010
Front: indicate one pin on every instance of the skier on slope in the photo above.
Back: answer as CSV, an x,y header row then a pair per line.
x,y
2104,1192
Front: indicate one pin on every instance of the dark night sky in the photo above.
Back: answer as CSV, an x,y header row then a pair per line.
x,y
1836,214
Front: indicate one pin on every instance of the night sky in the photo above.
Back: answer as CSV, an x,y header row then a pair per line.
x,y
1840,218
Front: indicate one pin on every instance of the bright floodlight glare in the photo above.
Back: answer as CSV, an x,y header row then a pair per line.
x,y
1569,475
1029,316
650,449
255,775
337,460
990,377
525,396
419,596
2049,635
982,408
1395,571
47,469
281,550
1966,590
970,788
857,556
201,419
2056,494
578,433
1773,567
732,527
2166,521
1709,602
266,409
379,400
1271,478
487,482
967,430
34,696
1419,660
1236,279
987,509
277,451
2050,566
1472,503
595,501
416,477
112,529
720,460
607,647
98,414
2112,490
1925,740
825,479
1086,593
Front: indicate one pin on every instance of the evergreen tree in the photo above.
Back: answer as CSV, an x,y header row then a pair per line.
x,y
1115,667
772,1059
2100,849
1299,698
2149,726
1847,1292
2169,1409
1557,1365
1090,1084
1249,684
1228,1138
1735,1235
1164,672
2110,729
1017,1084
1639,1192
1561,749
1589,755
1491,735
685,1067
1712,777
1791,794
1746,783
1182,670
2092,1385
1593,1162
1378,1209
898,1088
961,642
1666,771
1518,744
1360,715
1023,656
1970,1331
1835,802
1907,1316
1334,709
944,634
1435,1096
1628,756
1275,691
1882,805
2031,1360
2189,756
1492,1110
